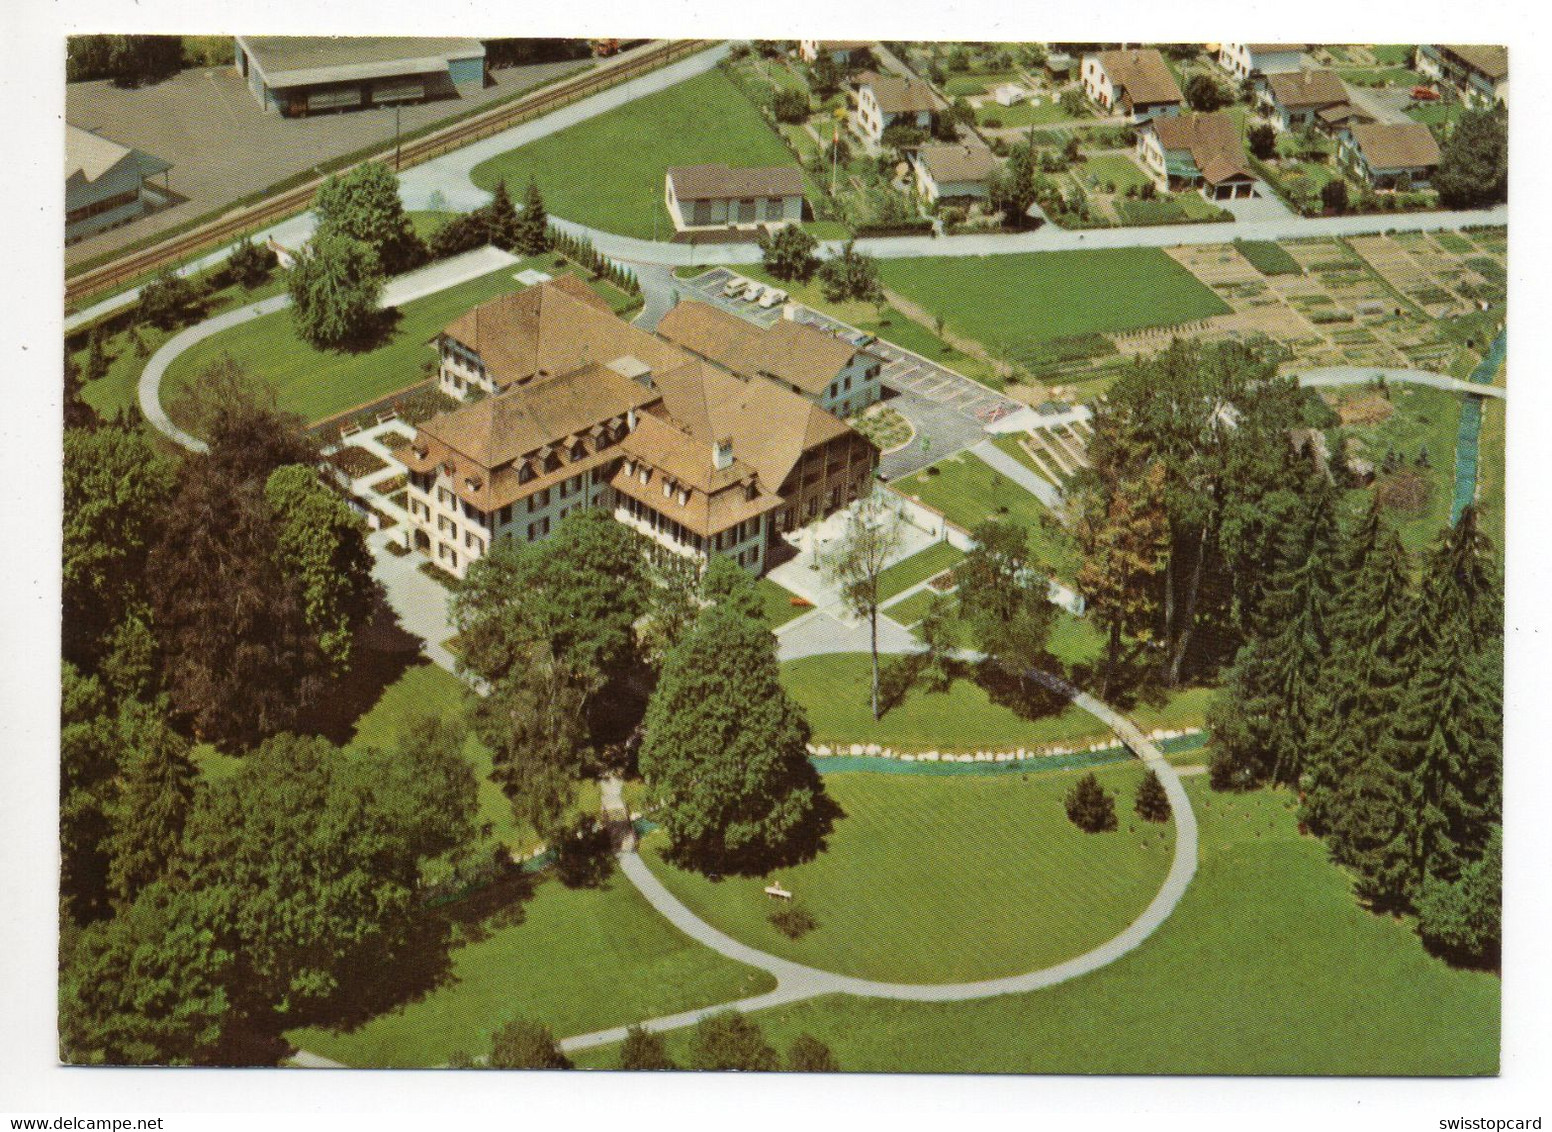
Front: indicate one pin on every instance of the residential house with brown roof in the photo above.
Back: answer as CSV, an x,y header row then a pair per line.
x,y
1478,72
717,196
1298,98
1257,60
841,51
1135,82
883,100
581,409
1389,155
828,370
1196,151
955,172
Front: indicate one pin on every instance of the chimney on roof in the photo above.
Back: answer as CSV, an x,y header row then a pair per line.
x,y
722,454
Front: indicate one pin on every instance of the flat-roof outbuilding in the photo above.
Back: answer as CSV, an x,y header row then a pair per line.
x,y
299,75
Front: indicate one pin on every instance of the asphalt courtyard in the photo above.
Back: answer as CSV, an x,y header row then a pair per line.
x,y
223,146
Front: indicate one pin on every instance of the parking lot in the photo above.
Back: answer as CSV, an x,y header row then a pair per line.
x,y
904,372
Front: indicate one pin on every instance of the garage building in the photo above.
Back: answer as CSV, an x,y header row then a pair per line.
x,y
298,75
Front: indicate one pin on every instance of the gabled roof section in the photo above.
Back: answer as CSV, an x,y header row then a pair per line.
x,y
1491,61
501,428
551,329
900,94
1308,89
790,352
958,163
721,182
1144,75
1396,145
1211,139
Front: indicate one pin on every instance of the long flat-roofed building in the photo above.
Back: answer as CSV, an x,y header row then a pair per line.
x,y
581,409
719,196
300,75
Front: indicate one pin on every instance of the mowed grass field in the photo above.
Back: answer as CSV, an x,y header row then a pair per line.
x,y
575,960
834,692
319,383
608,171
1268,966
1014,301
937,879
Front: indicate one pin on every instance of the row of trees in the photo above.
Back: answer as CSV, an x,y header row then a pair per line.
x,y
589,645
217,597
1379,697
128,60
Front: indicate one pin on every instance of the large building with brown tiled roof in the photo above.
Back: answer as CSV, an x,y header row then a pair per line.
x,y
830,371
1196,151
576,408
1479,72
1134,81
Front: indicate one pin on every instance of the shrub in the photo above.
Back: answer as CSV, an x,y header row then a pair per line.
x,y
790,106
644,1049
993,123
251,263
1090,806
807,1054
521,1044
793,920
169,301
729,1041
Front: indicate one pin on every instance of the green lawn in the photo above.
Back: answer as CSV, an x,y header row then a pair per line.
x,y
833,691
1424,418
969,491
912,609
320,383
573,959
1048,112
608,171
1268,257
935,879
1179,208
778,603
1268,966
1021,300
892,327
1114,169
918,567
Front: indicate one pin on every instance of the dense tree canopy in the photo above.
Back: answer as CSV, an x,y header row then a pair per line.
x,y
789,253
1004,597
1474,161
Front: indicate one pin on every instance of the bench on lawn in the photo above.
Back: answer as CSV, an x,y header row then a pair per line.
x,y
778,892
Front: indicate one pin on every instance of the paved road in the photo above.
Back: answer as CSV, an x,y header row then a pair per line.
x,y
795,981
1362,375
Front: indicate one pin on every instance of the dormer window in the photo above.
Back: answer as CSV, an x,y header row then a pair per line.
x,y
525,472
646,474
552,461
684,497
578,450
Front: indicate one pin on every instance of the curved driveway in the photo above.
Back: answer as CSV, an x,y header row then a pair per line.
x,y
795,981
1363,375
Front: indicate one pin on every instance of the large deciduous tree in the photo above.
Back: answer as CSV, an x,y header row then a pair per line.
x,y
1004,598
789,253
335,285
726,750
320,542
1474,162
872,537
116,490
364,205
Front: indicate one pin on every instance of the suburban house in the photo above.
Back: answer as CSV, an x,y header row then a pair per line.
x,y
839,50
1256,60
1135,82
1390,155
301,75
717,196
883,100
584,410
828,370
1479,73
105,183
954,172
1298,98
1196,151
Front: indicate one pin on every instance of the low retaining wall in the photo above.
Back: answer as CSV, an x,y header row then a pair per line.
x,y
823,751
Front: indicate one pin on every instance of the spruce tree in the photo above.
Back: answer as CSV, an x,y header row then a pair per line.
x,y
501,220
156,793
1151,803
532,230
1090,806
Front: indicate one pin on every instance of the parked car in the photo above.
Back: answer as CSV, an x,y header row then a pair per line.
x,y
734,286
1424,94
752,290
772,296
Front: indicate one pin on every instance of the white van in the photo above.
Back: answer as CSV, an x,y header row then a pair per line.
x,y
772,297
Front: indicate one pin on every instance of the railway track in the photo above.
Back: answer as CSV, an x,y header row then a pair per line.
x,y
222,229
